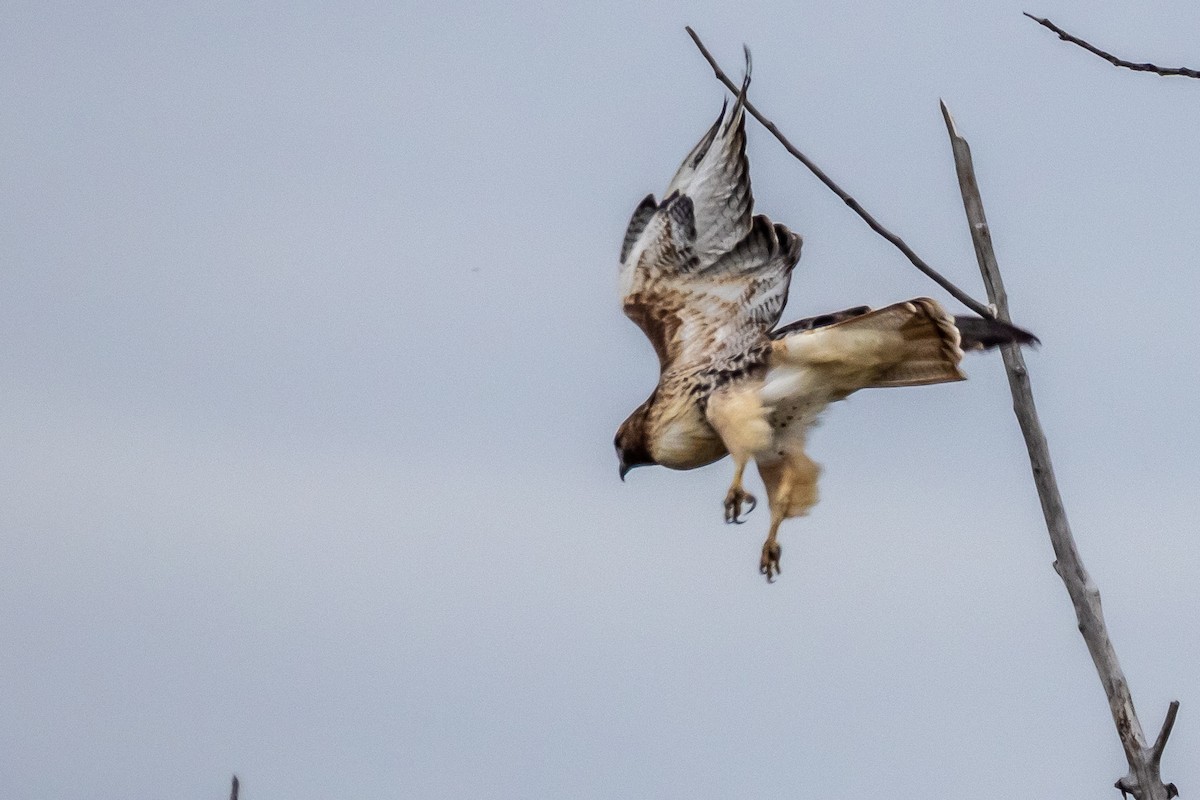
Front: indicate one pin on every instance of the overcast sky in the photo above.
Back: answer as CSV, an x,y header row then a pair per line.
x,y
311,359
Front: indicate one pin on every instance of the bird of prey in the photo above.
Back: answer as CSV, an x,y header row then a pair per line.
x,y
706,281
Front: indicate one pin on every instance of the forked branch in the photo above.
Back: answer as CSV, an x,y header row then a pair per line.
x,y
1109,57
1143,780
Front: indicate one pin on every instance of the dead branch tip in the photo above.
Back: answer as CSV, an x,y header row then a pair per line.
x,y
1160,744
1109,57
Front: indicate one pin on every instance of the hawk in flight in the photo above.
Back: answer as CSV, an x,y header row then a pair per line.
x,y
706,281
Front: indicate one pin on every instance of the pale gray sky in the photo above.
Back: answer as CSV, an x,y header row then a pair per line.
x,y
312,359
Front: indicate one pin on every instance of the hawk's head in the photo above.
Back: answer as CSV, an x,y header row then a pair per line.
x,y
632,441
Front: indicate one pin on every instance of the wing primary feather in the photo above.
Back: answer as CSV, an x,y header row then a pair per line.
x,y
670,232
740,105
682,213
637,224
687,168
820,321
766,242
752,252
790,245
716,176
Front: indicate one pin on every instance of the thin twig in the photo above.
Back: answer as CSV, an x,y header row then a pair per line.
x,y
1143,780
917,261
233,791
1109,57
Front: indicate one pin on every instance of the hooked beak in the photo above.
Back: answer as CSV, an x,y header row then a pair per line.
x,y
623,470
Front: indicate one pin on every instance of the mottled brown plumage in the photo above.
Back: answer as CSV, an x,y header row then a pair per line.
x,y
706,281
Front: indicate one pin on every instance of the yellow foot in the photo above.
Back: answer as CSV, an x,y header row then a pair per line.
x,y
733,504
769,563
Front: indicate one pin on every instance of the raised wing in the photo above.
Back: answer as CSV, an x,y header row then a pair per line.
x,y
699,275
716,175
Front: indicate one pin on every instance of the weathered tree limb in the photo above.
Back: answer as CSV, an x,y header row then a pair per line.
x,y
1109,57
955,292
233,791
1143,781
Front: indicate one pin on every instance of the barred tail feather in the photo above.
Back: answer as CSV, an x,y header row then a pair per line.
x,y
905,344
931,350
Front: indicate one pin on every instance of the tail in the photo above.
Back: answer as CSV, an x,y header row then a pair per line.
x,y
983,334
905,344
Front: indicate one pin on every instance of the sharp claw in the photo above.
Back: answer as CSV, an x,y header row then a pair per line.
x,y
733,507
769,564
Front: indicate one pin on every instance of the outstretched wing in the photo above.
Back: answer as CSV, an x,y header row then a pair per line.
x,y
716,175
699,275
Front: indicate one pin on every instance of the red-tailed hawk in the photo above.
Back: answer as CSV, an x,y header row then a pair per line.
x,y
706,281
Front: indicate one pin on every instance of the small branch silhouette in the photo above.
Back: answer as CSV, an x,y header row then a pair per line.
x,y
1109,57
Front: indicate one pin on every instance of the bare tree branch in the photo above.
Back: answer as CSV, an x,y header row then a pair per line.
x,y
1109,57
1164,734
918,262
1143,780
233,791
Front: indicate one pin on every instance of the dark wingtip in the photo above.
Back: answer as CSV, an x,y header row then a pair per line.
x,y
983,334
741,97
738,117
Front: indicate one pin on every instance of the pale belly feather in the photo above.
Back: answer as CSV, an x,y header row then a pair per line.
x,y
796,394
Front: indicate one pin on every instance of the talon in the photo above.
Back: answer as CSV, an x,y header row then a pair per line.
x,y
733,505
769,563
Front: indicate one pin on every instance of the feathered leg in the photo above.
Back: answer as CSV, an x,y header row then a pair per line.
x,y
739,418
791,482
